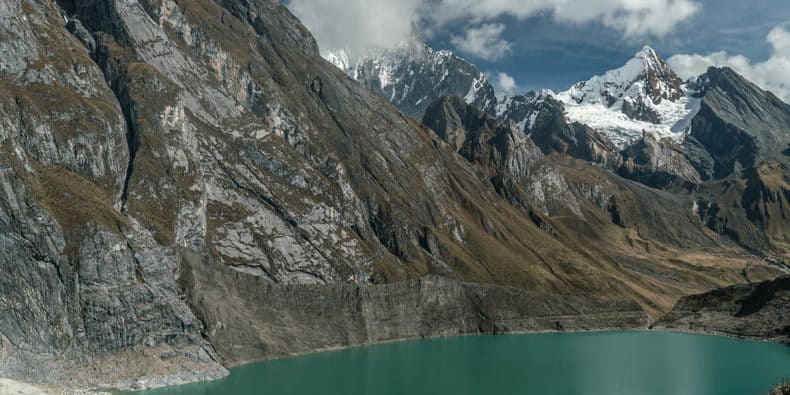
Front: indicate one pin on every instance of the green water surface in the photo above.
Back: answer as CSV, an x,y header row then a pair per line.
x,y
606,363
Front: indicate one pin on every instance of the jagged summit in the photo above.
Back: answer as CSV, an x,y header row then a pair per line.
x,y
524,109
645,75
413,75
643,95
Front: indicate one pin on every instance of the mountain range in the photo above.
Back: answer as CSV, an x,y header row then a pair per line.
x,y
645,95
639,121
189,185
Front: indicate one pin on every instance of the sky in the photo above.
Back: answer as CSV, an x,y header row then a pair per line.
x,y
531,44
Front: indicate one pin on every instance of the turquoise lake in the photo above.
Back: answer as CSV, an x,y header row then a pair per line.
x,y
605,363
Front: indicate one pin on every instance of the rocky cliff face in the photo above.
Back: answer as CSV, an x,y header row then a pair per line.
x,y
516,167
736,143
543,117
306,318
662,164
757,311
136,133
739,124
175,172
89,281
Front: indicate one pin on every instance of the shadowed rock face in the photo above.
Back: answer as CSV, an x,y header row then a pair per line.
x,y
516,167
739,124
657,163
752,310
170,169
736,144
547,126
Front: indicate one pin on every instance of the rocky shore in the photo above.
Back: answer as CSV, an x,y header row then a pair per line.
x,y
300,319
303,318
781,389
11,387
756,311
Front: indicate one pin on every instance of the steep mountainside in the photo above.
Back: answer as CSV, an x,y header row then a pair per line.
x,y
739,124
549,127
737,142
188,185
157,154
659,163
649,234
709,140
515,165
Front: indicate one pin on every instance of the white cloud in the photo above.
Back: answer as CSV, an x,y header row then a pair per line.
x,y
485,42
632,17
505,83
366,24
772,74
358,24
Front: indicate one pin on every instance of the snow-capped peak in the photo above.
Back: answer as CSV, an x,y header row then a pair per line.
x,y
643,95
645,75
649,56
412,76
524,110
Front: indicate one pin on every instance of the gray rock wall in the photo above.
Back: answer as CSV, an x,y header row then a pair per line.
x,y
292,319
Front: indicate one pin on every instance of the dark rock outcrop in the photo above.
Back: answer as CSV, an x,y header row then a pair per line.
x,y
661,164
499,151
739,124
759,311
553,133
781,389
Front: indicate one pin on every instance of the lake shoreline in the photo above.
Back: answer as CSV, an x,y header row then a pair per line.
x,y
537,332
513,333
165,382
628,344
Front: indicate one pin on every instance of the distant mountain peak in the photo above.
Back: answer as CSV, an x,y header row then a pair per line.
x,y
648,51
412,76
645,94
646,74
642,95
649,56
